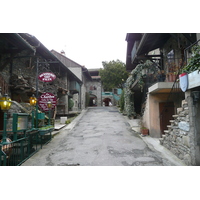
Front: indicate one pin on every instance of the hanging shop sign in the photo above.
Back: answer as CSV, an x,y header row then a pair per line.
x,y
44,99
47,76
183,81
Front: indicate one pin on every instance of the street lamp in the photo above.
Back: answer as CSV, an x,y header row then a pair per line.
x,y
5,103
33,101
49,105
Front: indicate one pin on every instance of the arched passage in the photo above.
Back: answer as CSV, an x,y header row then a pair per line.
x,y
106,101
93,100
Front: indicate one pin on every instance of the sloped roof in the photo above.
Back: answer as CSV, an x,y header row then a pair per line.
x,y
45,53
149,42
13,43
68,61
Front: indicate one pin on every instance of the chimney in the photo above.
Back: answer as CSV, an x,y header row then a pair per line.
x,y
63,53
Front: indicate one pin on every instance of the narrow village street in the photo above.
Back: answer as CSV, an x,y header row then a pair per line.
x,y
101,137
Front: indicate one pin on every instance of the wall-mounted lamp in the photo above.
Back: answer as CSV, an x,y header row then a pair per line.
x,y
5,102
196,95
33,100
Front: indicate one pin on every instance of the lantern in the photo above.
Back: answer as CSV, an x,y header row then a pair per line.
x,y
5,102
33,100
49,104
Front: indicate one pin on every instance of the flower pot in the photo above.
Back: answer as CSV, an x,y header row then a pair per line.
x,y
145,131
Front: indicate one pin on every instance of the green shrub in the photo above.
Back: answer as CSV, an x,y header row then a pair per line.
x,y
70,103
121,101
68,121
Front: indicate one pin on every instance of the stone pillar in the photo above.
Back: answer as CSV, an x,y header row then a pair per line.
x,y
194,148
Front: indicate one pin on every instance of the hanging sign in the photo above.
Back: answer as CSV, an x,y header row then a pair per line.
x,y
47,76
44,98
183,81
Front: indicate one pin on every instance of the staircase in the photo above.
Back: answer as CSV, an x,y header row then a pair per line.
x,y
177,136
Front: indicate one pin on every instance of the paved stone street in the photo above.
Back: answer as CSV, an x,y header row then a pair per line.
x,y
101,137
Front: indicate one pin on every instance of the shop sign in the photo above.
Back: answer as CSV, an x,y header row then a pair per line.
x,y
183,81
44,98
47,76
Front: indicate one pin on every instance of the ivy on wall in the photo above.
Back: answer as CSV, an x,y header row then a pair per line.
x,y
194,61
137,74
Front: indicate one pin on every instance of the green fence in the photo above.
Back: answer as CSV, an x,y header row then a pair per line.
x,y
15,152
22,142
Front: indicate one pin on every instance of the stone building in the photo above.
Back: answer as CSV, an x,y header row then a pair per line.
x,y
22,58
78,95
169,113
94,88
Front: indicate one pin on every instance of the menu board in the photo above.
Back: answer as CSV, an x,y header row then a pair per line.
x,y
44,98
20,121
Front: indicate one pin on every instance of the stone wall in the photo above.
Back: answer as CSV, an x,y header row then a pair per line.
x,y
179,138
97,91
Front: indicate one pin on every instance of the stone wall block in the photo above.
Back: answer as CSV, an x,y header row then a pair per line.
x,y
181,156
184,126
181,132
186,140
183,102
187,159
179,140
186,112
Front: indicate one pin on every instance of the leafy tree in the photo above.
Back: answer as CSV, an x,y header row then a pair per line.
x,y
113,74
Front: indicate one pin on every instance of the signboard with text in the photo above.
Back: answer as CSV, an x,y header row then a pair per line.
x,y
47,77
44,98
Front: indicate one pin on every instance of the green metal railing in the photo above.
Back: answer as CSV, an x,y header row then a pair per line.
x,y
15,152
19,145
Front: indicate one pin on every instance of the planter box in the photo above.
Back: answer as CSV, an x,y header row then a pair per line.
x,y
45,131
145,131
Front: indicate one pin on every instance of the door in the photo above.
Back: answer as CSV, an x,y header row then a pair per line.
x,y
166,110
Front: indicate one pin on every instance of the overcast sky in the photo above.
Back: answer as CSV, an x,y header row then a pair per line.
x,y
90,31
88,48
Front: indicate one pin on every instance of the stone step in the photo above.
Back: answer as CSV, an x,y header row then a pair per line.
x,y
175,116
166,131
175,127
184,102
169,126
172,121
179,110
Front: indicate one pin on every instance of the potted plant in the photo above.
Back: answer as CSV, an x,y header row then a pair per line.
x,y
144,130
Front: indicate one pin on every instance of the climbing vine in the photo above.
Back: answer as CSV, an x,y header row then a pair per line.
x,y
194,61
137,74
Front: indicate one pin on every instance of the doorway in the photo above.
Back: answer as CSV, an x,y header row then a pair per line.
x,y
166,110
106,101
93,100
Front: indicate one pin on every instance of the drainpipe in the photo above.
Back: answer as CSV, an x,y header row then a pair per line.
x,y
80,98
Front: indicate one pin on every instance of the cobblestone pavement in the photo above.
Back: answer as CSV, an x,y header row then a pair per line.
x,y
101,137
